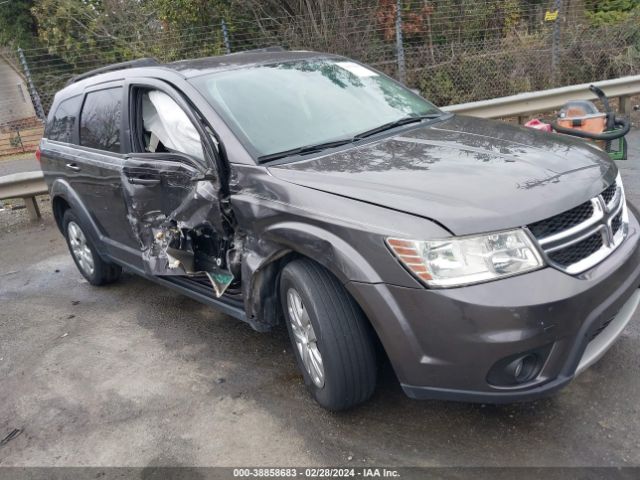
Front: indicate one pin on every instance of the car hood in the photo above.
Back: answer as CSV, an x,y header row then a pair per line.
x,y
470,175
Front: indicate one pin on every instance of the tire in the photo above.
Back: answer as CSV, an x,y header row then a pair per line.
x,y
344,339
84,254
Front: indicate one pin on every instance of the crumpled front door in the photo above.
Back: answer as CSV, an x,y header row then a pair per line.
x,y
174,212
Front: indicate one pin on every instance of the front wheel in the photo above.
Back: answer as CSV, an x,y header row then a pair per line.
x,y
332,339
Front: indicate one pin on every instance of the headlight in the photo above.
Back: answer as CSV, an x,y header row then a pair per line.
x,y
459,261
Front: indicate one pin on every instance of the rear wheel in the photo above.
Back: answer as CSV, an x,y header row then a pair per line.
x,y
91,265
331,336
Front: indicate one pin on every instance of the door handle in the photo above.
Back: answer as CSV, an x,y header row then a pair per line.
x,y
149,182
73,166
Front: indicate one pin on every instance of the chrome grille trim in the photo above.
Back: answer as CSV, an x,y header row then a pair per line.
x,y
600,223
583,236
598,215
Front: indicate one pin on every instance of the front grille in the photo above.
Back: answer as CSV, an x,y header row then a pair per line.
x,y
616,223
564,221
609,193
579,238
577,251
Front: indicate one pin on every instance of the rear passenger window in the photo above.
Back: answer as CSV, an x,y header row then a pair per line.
x,y
100,120
63,122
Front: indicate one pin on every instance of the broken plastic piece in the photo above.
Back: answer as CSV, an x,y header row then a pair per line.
x,y
220,280
180,259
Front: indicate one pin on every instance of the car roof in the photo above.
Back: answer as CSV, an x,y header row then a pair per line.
x,y
198,66
249,58
184,68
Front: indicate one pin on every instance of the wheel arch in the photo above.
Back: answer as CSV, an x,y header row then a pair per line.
x,y
64,197
59,205
268,252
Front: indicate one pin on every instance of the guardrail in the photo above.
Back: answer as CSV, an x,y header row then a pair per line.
x,y
25,185
545,100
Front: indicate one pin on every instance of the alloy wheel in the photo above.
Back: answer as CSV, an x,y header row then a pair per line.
x,y
80,249
305,337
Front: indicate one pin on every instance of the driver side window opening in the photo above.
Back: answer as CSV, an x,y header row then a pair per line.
x,y
163,126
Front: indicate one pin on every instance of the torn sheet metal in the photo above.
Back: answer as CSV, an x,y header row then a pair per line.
x,y
175,215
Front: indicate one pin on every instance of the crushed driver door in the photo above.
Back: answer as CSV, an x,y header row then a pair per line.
x,y
172,209
172,192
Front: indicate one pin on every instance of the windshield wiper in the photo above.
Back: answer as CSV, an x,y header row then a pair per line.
x,y
337,143
305,150
394,124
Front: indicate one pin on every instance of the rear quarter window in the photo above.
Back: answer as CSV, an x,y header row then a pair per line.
x,y
62,123
100,120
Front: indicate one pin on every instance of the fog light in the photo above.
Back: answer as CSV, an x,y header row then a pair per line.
x,y
523,368
518,369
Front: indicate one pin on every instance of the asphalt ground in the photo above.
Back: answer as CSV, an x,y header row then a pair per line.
x,y
134,374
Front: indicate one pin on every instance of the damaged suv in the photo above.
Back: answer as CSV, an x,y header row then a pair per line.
x,y
488,262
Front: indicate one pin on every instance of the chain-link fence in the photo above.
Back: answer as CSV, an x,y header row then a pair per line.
x,y
20,124
453,52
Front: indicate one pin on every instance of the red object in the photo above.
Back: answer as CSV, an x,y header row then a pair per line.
x,y
538,125
38,154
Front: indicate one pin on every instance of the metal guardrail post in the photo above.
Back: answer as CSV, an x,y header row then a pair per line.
x,y
31,204
35,98
26,185
402,67
225,36
624,105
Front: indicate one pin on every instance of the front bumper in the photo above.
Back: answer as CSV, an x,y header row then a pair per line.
x,y
443,343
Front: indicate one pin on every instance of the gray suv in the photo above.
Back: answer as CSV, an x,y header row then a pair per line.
x,y
488,262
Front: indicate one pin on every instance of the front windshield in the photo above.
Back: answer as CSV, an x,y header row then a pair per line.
x,y
284,106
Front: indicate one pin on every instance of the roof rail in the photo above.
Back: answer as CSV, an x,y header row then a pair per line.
x,y
140,62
